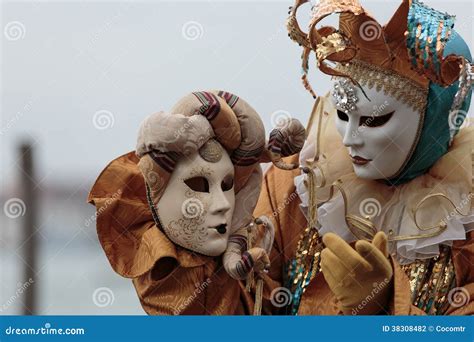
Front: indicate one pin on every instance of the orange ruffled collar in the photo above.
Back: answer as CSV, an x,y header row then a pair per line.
x,y
125,226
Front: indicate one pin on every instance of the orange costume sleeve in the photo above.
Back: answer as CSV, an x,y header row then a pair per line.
x,y
168,279
279,201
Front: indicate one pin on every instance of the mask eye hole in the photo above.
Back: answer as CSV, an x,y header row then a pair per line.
x,y
227,184
198,184
342,116
375,121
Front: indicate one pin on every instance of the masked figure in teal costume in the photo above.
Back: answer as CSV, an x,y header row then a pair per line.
x,y
383,220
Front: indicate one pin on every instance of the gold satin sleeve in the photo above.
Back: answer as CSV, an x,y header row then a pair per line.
x,y
168,279
201,290
280,203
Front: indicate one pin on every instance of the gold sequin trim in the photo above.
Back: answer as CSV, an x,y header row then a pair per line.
x,y
430,282
393,84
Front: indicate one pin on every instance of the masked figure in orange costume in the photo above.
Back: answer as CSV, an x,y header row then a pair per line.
x,y
174,215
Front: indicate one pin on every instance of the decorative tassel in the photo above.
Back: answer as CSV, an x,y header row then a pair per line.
x,y
305,265
312,210
257,309
250,276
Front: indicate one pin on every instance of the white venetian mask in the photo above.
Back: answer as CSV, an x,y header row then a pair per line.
x,y
379,133
198,203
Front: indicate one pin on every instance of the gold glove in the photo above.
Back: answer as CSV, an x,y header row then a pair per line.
x,y
361,279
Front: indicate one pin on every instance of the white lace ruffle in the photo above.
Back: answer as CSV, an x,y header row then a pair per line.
x,y
331,219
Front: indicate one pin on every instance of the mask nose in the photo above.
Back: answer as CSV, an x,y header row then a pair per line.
x,y
352,136
220,205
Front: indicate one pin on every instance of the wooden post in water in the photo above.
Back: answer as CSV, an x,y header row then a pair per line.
x,y
30,241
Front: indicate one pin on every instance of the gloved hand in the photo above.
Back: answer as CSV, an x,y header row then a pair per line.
x,y
238,264
238,261
361,279
261,261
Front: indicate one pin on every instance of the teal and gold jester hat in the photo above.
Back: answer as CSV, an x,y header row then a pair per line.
x,y
418,58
